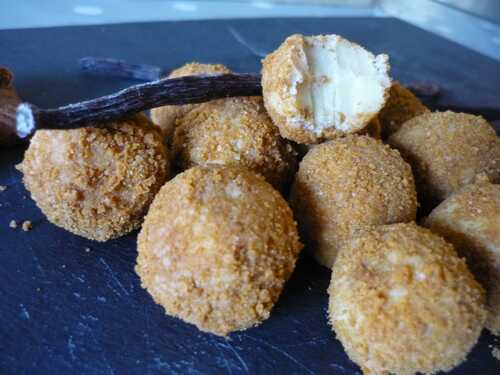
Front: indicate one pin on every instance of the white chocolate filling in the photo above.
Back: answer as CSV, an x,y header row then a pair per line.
x,y
338,84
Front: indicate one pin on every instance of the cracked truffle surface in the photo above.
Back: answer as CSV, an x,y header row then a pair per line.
x,y
402,302
217,247
234,132
95,182
348,184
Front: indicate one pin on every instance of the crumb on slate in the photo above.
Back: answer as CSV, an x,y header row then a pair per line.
x,y
13,224
3,188
27,225
495,352
87,249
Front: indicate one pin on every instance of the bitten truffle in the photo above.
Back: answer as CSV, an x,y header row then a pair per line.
x,y
166,116
401,106
95,182
348,184
234,132
217,247
447,151
402,302
470,220
319,87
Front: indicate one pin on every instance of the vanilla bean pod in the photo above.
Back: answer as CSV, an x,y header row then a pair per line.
x,y
175,91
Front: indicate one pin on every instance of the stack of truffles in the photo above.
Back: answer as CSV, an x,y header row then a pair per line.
x,y
220,239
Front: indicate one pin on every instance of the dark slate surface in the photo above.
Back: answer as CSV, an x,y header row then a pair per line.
x,y
64,310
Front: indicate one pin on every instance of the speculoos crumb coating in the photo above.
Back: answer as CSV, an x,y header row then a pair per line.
x,y
166,116
447,151
95,182
234,132
348,184
470,220
402,302
217,247
401,106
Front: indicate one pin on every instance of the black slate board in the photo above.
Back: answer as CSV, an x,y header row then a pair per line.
x,y
67,311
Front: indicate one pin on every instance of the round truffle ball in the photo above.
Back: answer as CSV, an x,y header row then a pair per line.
x,y
166,116
234,132
96,182
217,247
319,87
402,302
448,150
401,106
348,184
470,220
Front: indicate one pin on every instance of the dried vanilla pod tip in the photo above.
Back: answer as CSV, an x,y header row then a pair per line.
x,y
319,87
348,184
470,220
447,150
95,182
401,106
166,116
217,247
403,302
234,132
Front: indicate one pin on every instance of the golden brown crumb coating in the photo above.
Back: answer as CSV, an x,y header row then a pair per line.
x,y
217,247
401,106
448,150
470,220
313,91
348,184
95,182
165,116
234,132
402,302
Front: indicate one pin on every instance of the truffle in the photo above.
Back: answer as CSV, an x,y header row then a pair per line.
x,y
348,184
319,87
217,247
95,182
403,302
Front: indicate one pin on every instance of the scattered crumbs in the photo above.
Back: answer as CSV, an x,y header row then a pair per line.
x,y
38,289
495,352
101,299
87,249
3,188
27,226
13,224
63,266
